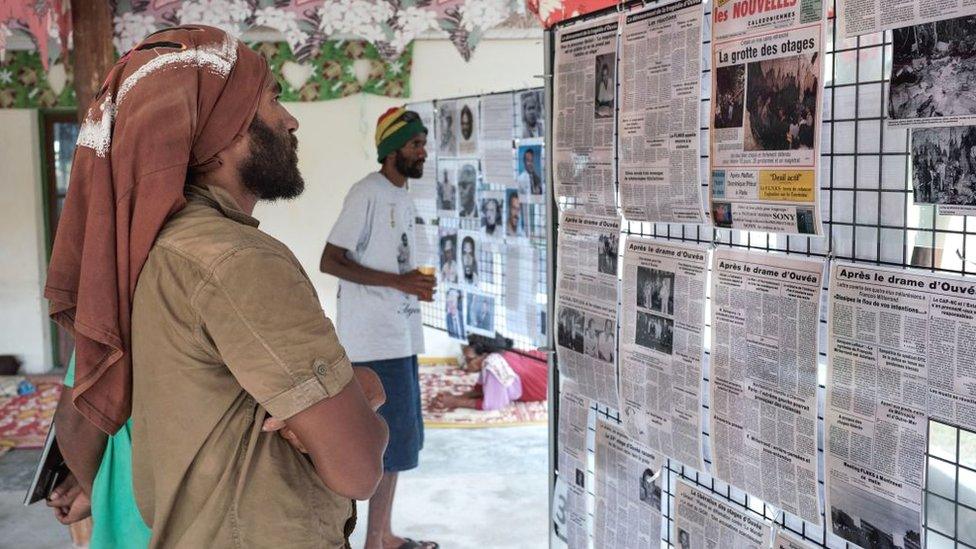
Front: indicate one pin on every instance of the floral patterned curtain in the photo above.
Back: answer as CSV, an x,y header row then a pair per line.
x,y
47,22
390,25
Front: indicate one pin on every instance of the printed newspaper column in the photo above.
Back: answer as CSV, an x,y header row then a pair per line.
x,y
701,520
660,84
900,348
584,107
497,132
574,411
629,480
764,138
586,303
663,308
857,17
423,191
763,381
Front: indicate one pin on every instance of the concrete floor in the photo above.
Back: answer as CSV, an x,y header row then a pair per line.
x,y
475,488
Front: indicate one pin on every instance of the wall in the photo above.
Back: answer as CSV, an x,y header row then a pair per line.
x,y
336,145
24,328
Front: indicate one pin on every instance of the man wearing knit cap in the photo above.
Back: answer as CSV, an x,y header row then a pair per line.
x,y
196,323
371,250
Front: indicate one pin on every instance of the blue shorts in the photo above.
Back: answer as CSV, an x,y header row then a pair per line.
x,y
401,411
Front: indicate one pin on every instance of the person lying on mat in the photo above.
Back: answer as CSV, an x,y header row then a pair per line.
x,y
505,376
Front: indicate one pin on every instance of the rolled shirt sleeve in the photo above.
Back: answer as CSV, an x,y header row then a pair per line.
x,y
261,312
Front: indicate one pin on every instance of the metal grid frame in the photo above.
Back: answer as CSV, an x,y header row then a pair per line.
x,y
432,313
868,217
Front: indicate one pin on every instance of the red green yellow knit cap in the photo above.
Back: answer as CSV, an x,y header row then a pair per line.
x,y
394,128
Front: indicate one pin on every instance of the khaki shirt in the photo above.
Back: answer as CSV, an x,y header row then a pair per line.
x,y
226,326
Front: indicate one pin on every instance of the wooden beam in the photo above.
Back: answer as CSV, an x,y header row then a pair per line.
x,y
93,54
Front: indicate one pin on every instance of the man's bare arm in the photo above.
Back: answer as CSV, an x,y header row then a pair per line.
x,y
345,439
81,443
336,263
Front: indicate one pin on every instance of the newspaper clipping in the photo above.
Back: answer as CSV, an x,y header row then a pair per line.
x,y
767,61
586,303
497,130
703,522
661,346
573,421
857,17
944,169
899,351
763,382
585,102
629,484
660,84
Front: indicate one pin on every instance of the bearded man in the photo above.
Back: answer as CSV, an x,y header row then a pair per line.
x,y
204,328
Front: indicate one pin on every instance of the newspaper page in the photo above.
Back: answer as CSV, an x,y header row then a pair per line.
x,y
574,411
629,480
423,191
701,521
942,172
497,132
586,303
787,541
584,107
662,341
933,73
899,352
763,379
766,100
522,277
857,17
660,87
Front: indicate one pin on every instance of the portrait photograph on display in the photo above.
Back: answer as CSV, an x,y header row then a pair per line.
x,y
481,313
514,214
722,214
532,109
468,128
470,248
467,182
454,313
781,103
649,491
447,140
729,96
933,69
655,290
569,331
607,260
447,249
446,191
491,216
599,338
944,165
655,332
604,69
530,178
684,539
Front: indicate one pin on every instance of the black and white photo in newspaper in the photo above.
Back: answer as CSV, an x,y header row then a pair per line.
x,y
763,376
660,87
933,74
784,540
944,168
447,189
571,461
532,114
468,126
629,489
702,521
898,355
586,303
860,17
447,138
584,91
662,346
766,103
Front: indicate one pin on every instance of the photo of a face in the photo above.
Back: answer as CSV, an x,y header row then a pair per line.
x,y
481,313
491,216
467,184
530,177
532,112
469,260
447,248
605,86
515,218
447,141
468,127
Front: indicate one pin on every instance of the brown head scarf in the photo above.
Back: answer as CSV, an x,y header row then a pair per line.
x,y
166,109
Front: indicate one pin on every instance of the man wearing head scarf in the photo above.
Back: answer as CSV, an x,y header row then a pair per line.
x,y
199,324
379,314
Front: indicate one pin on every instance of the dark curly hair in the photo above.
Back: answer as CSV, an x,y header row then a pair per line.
x,y
483,344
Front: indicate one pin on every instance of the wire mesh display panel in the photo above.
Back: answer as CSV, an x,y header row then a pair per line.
x,y
493,254
869,217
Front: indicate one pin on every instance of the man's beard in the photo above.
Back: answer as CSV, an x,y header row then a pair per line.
x,y
271,172
413,170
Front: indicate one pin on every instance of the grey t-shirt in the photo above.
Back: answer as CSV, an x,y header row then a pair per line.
x,y
376,225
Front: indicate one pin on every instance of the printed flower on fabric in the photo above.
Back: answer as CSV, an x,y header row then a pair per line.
x,y
484,14
227,15
130,29
411,22
283,21
23,83
361,18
